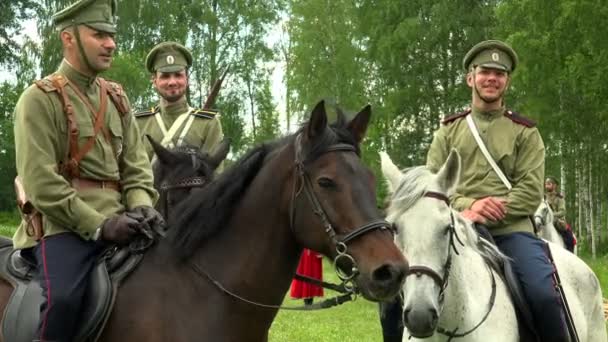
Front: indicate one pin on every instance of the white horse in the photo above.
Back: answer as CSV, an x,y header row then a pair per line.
x,y
449,289
543,218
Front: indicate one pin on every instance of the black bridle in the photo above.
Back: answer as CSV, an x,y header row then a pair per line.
x,y
339,241
187,183
442,280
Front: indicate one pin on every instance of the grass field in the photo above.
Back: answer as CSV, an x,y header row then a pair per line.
x,y
351,322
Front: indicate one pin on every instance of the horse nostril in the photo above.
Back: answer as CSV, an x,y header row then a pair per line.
x,y
434,316
389,273
406,314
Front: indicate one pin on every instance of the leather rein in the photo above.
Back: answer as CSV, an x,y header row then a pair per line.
x,y
442,279
340,241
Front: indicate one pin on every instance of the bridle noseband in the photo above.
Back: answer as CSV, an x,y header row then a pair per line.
x,y
442,281
339,241
187,183
419,270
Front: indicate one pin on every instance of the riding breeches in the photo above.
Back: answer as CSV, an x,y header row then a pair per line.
x,y
64,264
535,273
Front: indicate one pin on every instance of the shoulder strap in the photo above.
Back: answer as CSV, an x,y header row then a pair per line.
x,y
454,117
117,95
519,119
144,113
204,113
486,153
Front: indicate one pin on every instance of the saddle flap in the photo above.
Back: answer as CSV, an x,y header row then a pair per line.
x,y
22,314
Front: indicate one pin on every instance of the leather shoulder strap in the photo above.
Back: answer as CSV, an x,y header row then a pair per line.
x,y
117,95
519,119
454,117
204,113
51,83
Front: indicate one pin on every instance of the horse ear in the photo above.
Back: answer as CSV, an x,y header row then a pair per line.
x,y
164,156
391,172
221,151
358,125
318,121
449,174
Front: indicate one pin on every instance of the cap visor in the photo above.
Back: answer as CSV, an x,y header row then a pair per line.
x,y
496,66
171,68
102,27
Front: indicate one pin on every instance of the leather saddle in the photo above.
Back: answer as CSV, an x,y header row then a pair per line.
x,y
22,313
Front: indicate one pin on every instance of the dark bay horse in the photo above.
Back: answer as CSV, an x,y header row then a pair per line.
x,y
179,170
243,233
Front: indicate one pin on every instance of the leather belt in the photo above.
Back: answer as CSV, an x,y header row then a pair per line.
x,y
85,183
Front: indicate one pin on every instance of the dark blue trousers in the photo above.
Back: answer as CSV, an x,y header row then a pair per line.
x,y
534,270
64,264
391,314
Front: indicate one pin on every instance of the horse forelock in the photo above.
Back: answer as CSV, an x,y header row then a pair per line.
x,y
414,184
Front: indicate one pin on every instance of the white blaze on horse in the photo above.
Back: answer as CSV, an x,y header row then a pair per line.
x,y
452,287
543,219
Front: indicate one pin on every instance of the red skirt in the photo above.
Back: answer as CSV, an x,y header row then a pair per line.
x,y
310,266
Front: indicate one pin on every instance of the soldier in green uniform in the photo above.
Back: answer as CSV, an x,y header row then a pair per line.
x,y
516,146
173,122
82,163
557,203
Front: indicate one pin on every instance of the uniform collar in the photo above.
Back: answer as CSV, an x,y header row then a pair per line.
x,y
81,80
488,115
175,108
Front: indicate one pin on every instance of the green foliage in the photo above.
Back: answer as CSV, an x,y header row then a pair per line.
x,y
12,15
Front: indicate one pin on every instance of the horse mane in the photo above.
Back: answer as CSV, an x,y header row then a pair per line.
x,y
208,209
414,184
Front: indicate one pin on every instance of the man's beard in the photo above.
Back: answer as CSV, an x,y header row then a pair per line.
x,y
172,98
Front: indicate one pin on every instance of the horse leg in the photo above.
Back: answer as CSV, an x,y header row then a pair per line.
x,y
5,293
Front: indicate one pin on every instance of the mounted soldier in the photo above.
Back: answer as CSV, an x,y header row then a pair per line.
x,y
173,121
83,166
501,180
557,203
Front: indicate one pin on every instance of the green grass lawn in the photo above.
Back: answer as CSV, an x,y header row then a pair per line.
x,y
351,322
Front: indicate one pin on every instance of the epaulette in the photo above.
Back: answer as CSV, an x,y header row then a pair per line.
x,y
47,84
517,118
204,113
453,117
148,112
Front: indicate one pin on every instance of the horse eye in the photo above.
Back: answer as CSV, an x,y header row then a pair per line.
x,y
325,182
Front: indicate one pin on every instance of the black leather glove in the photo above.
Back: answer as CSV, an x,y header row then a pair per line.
x,y
119,229
150,216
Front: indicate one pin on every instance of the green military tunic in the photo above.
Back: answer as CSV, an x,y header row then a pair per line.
x,y
41,143
517,148
204,132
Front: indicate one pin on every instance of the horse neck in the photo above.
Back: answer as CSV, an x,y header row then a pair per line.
x,y
257,242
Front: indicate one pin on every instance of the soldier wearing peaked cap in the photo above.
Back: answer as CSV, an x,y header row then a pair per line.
x,y
82,164
557,203
502,200
173,122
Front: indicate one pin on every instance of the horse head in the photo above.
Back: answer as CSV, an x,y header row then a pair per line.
x,y
334,207
431,233
543,216
177,171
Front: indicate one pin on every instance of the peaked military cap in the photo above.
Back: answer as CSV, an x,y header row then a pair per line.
x,y
168,57
491,54
552,179
97,14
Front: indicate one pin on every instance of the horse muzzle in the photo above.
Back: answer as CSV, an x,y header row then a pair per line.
x,y
421,321
383,282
